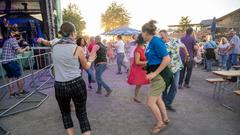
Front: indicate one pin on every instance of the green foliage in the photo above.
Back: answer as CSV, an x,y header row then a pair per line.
x,y
184,23
73,14
115,16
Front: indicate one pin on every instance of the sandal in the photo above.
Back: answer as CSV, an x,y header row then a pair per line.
x,y
157,128
166,122
136,100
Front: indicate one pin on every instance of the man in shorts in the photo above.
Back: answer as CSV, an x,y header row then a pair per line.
x,y
10,50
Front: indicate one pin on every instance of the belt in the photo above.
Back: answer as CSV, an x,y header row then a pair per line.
x,y
76,80
101,63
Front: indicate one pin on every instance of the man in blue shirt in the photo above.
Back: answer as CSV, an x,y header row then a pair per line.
x,y
209,48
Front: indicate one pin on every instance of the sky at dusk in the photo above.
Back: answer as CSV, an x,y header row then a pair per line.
x,y
166,12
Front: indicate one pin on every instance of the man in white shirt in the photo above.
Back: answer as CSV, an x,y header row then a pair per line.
x,y
233,49
120,47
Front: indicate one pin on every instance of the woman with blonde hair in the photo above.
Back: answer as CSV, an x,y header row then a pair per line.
x,y
223,53
159,75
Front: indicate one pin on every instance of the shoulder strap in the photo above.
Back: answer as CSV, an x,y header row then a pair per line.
x,y
75,51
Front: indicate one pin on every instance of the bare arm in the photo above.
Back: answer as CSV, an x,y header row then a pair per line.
x,y
185,51
138,61
163,65
84,63
20,50
196,47
43,41
230,47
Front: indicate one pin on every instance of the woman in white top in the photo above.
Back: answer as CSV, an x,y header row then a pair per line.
x,y
223,53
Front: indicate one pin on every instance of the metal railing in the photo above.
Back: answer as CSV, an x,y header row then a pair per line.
x,y
38,66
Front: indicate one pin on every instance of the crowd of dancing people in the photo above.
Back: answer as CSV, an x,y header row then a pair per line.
x,y
156,59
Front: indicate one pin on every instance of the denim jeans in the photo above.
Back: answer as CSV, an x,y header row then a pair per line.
x,y
223,61
209,63
90,75
169,95
100,68
232,60
187,68
120,63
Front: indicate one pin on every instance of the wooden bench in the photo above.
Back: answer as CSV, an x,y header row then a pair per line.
x,y
217,82
237,92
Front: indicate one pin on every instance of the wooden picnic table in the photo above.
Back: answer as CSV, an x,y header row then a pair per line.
x,y
237,67
225,75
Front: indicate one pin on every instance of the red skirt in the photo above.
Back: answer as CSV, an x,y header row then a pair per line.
x,y
137,76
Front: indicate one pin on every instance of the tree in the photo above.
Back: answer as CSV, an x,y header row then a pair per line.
x,y
115,16
184,23
73,14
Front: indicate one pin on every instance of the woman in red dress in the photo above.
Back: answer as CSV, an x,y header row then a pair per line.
x,y
137,75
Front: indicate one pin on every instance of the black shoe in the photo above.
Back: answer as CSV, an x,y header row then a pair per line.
x,y
93,81
99,92
187,86
170,109
108,93
12,95
23,93
119,73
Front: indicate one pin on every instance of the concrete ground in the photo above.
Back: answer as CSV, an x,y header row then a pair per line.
x,y
197,113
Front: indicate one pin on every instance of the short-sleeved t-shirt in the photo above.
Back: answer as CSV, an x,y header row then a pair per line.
x,y
189,42
222,49
173,47
155,51
120,46
236,42
210,44
9,49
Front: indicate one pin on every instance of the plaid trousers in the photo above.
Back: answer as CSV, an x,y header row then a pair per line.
x,y
75,90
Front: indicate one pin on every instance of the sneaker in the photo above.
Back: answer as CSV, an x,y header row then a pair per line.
x,y
180,87
119,73
23,93
12,95
93,81
170,109
99,92
187,86
108,94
